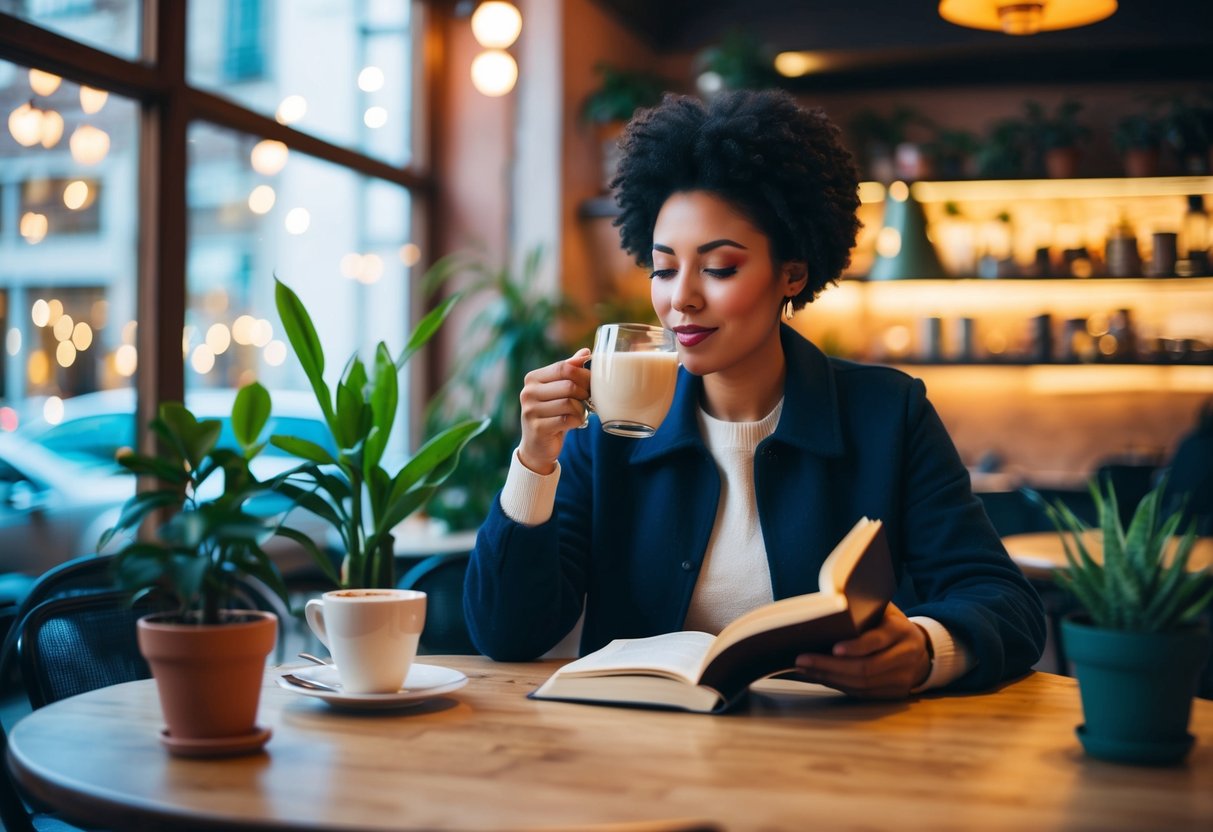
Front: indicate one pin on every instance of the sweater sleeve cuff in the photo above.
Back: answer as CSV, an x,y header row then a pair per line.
x,y
529,498
950,659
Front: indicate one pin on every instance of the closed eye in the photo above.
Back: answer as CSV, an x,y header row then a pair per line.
x,y
663,273
726,272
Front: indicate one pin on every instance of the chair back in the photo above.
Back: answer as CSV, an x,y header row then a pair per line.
x,y
440,577
90,573
77,643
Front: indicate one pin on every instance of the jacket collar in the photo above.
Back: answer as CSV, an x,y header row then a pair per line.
x,y
809,421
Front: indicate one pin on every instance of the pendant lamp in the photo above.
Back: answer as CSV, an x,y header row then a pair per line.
x,y
1025,17
902,248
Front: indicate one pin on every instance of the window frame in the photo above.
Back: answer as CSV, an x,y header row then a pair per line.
x,y
168,105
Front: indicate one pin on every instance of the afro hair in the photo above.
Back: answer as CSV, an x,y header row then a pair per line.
x,y
781,165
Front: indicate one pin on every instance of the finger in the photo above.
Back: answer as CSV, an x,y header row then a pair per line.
x,y
565,388
872,641
557,407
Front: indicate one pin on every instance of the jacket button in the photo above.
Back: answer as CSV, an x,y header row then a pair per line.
x,y
687,565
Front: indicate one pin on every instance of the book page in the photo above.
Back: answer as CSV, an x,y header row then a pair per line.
x,y
677,655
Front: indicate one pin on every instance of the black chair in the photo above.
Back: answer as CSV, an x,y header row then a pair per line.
x,y
440,577
90,573
77,643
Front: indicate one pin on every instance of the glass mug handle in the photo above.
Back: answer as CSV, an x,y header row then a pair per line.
x,y
586,403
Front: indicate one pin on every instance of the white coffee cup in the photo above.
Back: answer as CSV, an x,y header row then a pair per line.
x,y
371,633
633,374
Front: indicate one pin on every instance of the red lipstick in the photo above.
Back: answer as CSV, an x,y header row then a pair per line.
x,y
690,335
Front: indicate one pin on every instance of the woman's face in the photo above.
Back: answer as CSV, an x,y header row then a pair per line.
x,y
714,284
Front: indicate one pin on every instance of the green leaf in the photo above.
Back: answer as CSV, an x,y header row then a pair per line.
x,y
426,328
321,558
302,334
162,469
309,500
137,508
350,406
385,399
250,413
303,449
428,468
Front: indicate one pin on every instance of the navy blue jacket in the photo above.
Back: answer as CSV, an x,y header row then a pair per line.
x,y
633,518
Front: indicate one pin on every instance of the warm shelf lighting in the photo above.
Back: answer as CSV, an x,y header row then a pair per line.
x,y
494,72
797,64
1025,17
496,24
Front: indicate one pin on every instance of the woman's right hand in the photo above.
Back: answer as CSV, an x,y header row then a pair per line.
x,y
553,403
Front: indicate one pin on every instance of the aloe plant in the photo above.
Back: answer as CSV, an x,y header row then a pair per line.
x,y
205,543
352,491
1134,587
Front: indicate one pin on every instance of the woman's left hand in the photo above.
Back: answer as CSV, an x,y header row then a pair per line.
x,y
885,662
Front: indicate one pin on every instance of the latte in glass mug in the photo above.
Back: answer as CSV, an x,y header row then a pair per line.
x,y
633,373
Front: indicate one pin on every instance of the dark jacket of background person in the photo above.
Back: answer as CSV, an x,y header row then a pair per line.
x,y
633,517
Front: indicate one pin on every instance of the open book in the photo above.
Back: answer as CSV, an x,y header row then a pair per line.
x,y
699,672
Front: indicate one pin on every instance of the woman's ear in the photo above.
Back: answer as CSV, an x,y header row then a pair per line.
x,y
795,275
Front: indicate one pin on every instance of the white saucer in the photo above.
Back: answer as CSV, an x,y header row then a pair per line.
x,y
424,681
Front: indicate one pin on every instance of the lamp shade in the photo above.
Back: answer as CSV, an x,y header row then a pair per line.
x,y
902,248
1025,17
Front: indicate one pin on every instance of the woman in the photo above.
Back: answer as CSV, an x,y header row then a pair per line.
x,y
745,210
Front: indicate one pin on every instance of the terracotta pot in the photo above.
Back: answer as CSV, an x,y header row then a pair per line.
x,y
209,677
1061,162
1141,161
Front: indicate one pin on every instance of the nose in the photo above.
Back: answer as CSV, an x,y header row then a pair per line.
x,y
685,293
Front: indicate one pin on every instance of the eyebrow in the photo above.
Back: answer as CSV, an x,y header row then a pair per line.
x,y
703,249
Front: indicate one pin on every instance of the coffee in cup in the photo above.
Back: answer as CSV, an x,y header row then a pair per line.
x,y
371,633
633,373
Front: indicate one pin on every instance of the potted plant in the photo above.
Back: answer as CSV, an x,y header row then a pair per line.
x,y
207,660
883,142
1057,137
610,106
1138,645
741,61
1138,137
514,333
353,491
1006,150
953,153
1188,129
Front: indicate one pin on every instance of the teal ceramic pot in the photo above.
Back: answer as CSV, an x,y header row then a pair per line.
x,y
1136,689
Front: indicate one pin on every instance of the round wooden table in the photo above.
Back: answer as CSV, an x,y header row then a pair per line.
x,y
1039,553
487,757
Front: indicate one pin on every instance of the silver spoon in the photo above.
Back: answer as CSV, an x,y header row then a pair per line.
x,y
315,660
300,682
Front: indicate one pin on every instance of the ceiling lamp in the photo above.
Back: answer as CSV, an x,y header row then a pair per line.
x,y
494,72
25,124
1025,17
496,24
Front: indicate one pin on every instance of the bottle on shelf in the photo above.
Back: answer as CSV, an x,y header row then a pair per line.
x,y
1194,238
1122,257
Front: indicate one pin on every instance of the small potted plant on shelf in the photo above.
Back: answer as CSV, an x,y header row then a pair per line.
x,y
1188,128
608,107
1057,137
883,143
1138,644
207,660
361,499
1138,137
953,153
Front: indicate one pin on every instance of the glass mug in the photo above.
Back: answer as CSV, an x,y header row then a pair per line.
x,y
633,373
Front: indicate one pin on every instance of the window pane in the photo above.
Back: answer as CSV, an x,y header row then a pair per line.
x,y
338,239
68,231
110,25
339,70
